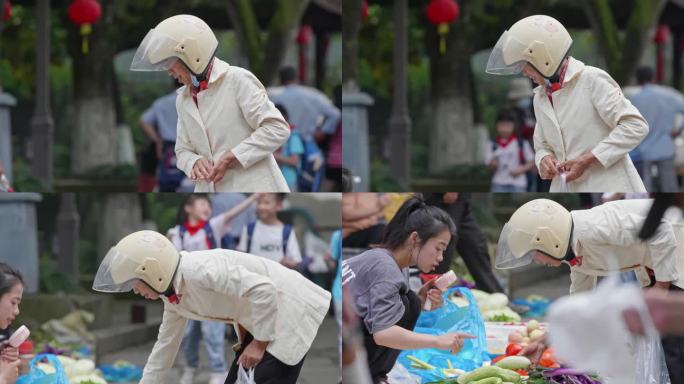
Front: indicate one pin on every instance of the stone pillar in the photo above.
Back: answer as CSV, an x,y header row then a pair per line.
x,y
19,235
355,151
68,228
7,101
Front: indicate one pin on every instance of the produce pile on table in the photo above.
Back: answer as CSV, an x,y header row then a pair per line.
x,y
506,335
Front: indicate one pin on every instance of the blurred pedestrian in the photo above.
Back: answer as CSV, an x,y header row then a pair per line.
x,y
659,105
509,155
290,155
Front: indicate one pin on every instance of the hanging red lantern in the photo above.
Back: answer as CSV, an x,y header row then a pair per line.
x,y
84,13
8,11
442,13
364,11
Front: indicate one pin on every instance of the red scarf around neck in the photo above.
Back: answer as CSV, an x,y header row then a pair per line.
x,y
503,143
192,229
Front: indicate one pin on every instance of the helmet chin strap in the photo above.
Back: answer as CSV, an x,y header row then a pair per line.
x,y
196,79
170,292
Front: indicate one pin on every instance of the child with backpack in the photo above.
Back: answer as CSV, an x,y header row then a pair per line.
x,y
509,156
289,156
268,236
198,231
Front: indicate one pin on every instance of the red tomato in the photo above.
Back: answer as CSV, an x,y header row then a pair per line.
x,y
547,360
513,349
522,372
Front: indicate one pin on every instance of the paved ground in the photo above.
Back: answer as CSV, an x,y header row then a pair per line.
x,y
320,367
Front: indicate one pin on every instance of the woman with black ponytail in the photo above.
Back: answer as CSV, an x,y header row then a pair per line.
x,y
11,290
377,280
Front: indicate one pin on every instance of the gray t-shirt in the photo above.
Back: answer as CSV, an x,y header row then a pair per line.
x,y
376,283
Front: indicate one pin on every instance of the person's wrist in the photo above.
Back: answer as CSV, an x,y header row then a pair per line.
x,y
588,159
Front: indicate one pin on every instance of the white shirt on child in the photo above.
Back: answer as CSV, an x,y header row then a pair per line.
x,y
197,241
267,241
509,159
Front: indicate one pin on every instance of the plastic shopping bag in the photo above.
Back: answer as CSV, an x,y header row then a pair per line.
x,y
38,376
563,183
588,333
245,376
450,318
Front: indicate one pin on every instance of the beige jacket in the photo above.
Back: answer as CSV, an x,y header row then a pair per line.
x,y
590,113
272,302
606,237
235,115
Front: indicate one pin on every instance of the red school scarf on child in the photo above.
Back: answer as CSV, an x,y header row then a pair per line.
x,y
503,143
192,229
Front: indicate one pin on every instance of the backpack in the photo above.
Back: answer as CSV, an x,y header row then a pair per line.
x,y
211,240
311,167
287,229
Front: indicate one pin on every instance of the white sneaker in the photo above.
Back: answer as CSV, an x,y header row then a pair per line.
x,y
188,376
217,378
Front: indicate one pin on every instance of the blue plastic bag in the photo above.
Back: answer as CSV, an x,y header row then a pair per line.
x,y
37,376
121,373
446,319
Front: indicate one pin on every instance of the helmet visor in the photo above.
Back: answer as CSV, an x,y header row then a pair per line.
x,y
506,258
500,62
116,273
155,53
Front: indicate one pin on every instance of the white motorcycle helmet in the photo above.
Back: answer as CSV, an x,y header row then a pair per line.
x,y
539,225
144,255
182,37
539,40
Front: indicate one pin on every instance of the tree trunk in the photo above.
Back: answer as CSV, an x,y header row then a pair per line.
x,y
351,24
121,215
265,56
94,134
452,129
622,55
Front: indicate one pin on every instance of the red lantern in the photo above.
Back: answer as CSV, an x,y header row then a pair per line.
x,y
364,11
442,13
8,11
84,13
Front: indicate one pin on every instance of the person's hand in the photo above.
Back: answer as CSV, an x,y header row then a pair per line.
x,y
517,171
452,342
662,285
9,353
253,354
430,292
201,170
9,371
227,161
574,169
548,167
159,147
450,197
289,263
666,310
534,350
493,163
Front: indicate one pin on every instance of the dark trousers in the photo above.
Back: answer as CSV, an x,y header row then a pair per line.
x,y
674,353
381,359
269,370
365,237
470,242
